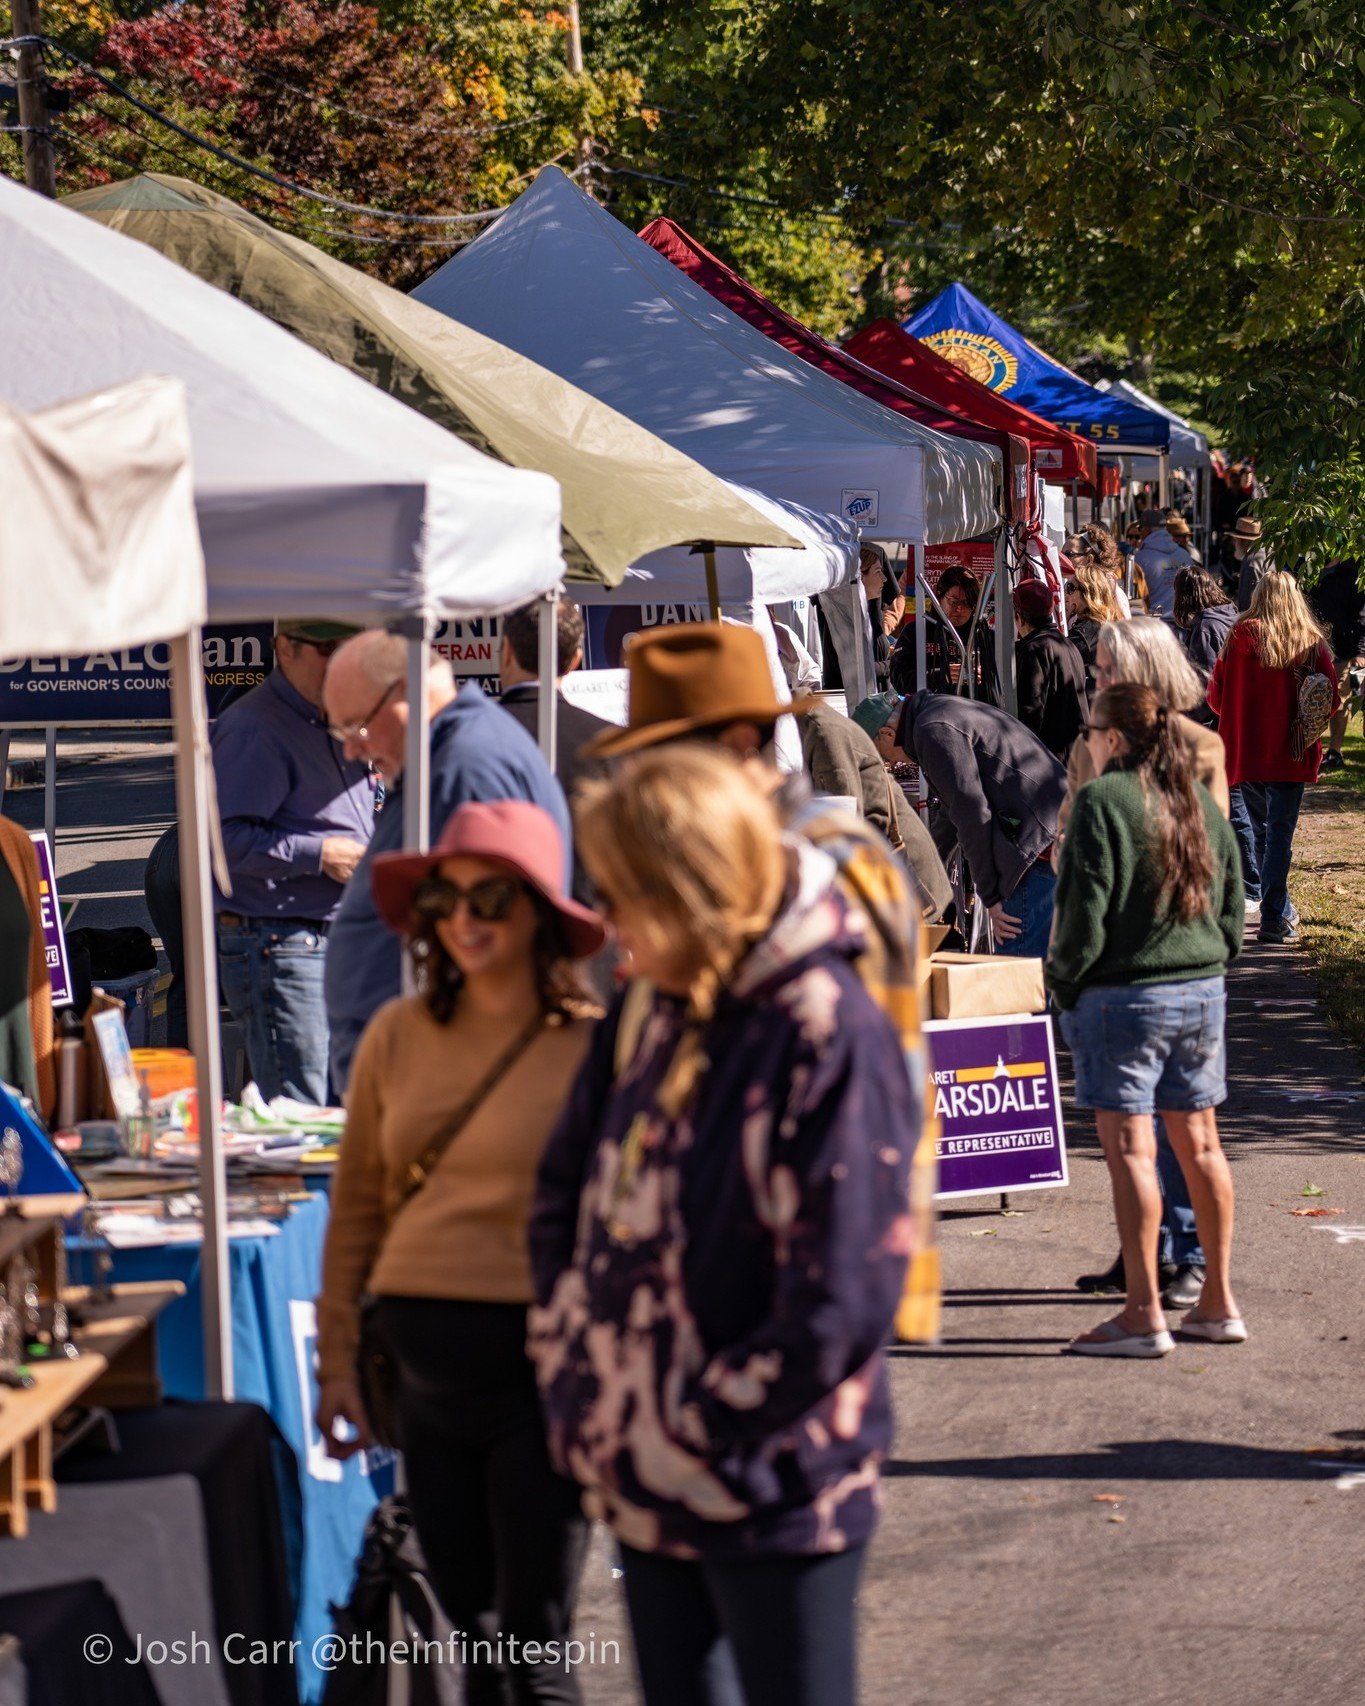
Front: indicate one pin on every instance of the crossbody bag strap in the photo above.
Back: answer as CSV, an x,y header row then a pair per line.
x,y
417,1172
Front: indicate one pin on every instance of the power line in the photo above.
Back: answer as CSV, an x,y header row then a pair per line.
x,y
231,159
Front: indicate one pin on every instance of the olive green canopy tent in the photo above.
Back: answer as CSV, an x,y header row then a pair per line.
x,y
625,492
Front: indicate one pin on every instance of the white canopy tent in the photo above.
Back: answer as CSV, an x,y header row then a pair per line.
x,y
563,282
1189,450
316,495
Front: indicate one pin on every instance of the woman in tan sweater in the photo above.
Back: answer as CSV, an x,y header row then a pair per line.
x,y
429,1228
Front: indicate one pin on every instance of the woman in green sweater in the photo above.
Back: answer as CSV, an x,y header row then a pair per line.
x,y
1149,911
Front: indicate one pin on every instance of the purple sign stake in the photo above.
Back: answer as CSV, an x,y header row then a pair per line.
x,y
58,971
999,1114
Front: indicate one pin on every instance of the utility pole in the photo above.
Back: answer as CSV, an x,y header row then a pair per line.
x,y
584,150
40,162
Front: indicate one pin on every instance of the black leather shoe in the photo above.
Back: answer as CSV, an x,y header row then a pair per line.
x,y
1114,1280
1185,1288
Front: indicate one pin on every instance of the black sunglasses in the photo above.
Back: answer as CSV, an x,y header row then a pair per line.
x,y
489,900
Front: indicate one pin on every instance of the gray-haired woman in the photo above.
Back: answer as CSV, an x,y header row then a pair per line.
x,y
1145,650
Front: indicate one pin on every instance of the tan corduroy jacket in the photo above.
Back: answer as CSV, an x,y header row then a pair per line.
x,y
1206,754
17,851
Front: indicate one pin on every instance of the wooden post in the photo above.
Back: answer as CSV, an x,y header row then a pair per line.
x,y
40,162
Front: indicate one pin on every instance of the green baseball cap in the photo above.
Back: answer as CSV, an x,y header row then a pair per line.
x,y
305,628
873,714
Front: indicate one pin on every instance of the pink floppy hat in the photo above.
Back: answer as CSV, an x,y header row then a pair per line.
x,y
513,833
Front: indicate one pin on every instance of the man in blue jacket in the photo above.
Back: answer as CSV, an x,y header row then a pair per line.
x,y
478,752
1161,560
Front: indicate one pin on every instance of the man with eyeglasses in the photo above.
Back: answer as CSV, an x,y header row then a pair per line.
x,y
478,752
297,815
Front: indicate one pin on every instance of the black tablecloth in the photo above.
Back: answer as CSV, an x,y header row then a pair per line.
x,y
248,1486
53,1625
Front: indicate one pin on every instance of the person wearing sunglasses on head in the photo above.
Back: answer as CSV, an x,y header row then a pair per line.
x,y
453,1095
297,815
478,752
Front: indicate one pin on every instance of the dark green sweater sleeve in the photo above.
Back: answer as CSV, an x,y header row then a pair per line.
x,y
1232,916
1085,882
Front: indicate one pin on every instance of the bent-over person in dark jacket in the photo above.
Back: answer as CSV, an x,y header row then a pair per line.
x,y
999,792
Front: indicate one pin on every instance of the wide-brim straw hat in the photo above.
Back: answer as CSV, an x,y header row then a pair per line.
x,y
1246,528
521,837
692,677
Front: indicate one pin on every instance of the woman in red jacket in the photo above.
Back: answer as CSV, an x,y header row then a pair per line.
x,y
1272,648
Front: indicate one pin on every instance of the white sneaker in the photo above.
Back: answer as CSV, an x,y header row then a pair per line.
x,y
1253,906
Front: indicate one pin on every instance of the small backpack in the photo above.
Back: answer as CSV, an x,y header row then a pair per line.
x,y
1314,710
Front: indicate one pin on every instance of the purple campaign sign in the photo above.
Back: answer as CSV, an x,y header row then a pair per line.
x,y
53,939
999,1115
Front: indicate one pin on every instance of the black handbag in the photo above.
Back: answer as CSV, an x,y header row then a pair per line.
x,y
376,1372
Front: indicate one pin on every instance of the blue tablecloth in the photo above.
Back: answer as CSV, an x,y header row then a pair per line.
x,y
274,1282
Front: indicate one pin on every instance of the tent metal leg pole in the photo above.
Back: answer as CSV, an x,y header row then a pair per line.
x,y
50,791
861,627
1004,640
417,759
1163,481
417,744
1004,650
193,787
921,638
547,711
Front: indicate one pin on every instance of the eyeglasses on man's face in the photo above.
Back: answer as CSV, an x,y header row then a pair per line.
x,y
343,732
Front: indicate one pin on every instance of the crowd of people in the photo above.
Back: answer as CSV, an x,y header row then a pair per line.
x,y
636,1185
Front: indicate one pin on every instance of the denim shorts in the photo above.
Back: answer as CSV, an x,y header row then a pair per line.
x,y
1145,1048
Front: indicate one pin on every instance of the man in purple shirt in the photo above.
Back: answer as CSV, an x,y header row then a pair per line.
x,y
297,817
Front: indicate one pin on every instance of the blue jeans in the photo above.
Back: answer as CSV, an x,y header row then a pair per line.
x,y
1031,904
1179,1241
271,973
1264,817
760,1631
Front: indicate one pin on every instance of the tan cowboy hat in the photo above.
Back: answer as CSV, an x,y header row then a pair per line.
x,y
1246,528
694,676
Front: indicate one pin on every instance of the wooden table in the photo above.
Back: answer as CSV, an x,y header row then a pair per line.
x,y
116,1368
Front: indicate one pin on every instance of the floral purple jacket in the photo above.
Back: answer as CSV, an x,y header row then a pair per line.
x,y
716,1289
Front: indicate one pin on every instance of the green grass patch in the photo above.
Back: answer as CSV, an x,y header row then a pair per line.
x,y
1328,886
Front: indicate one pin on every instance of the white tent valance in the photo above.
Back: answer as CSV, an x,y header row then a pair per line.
x,y
569,286
98,546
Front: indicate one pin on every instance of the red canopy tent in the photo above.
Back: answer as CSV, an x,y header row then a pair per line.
x,y
890,350
740,297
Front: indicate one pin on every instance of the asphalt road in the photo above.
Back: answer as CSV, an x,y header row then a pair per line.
x,y
113,801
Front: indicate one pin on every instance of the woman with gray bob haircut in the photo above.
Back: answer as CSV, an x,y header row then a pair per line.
x,y
1145,649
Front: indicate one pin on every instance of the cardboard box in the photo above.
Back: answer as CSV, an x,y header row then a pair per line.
x,y
984,986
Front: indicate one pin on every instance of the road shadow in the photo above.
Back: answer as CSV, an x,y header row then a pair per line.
x,y
1127,1460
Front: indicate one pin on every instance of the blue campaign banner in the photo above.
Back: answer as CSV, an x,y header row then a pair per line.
x,y
997,1104
960,327
131,685
608,626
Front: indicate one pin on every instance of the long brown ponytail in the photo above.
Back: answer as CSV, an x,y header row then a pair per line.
x,y
1159,755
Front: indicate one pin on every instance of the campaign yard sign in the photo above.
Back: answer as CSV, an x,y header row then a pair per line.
x,y
473,649
997,1104
54,939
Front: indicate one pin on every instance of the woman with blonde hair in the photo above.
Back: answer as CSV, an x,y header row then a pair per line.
x,y
1091,598
718,1240
1100,544
1274,689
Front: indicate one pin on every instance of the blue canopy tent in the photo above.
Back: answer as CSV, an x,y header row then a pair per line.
x,y
958,325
